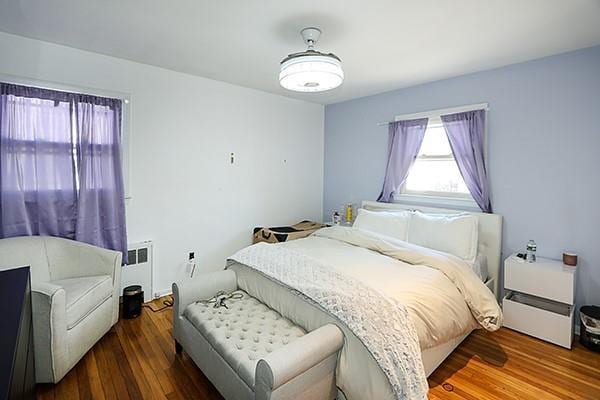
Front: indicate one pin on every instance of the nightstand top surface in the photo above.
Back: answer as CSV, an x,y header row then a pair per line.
x,y
542,263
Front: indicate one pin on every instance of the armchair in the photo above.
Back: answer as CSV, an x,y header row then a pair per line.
x,y
75,297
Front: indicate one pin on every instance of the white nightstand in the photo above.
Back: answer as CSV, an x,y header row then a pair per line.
x,y
540,299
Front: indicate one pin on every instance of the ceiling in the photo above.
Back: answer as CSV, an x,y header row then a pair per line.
x,y
383,44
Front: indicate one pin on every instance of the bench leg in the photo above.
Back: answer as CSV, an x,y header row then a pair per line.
x,y
178,347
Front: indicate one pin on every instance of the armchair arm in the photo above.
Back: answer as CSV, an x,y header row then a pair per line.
x,y
202,286
311,358
49,331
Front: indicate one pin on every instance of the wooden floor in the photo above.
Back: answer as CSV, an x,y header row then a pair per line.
x,y
136,360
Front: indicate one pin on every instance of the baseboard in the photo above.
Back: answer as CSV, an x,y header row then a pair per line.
x,y
161,293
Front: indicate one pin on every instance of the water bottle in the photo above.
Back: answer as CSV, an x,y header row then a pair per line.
x,y
531,249
336,218
349,213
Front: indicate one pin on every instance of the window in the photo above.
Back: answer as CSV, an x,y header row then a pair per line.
x,y
41,139
61,117
435,173
60,172
45,140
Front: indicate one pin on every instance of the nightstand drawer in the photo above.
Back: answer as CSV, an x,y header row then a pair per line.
x,y
544,278
544,319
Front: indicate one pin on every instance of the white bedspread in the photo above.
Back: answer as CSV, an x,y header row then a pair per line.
x,y
382,324
439,293
480,300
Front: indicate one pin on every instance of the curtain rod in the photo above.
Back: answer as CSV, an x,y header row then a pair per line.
x,y
437,113
26,81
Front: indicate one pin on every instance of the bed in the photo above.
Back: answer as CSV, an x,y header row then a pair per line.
x,y
441,309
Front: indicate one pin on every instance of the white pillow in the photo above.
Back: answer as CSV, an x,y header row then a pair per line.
x,y
480,267
393,224
455,234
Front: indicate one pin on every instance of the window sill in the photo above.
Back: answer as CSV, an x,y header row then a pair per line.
x,y
438,201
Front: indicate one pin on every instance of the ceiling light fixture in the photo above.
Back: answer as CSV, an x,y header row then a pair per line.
x,y
311,70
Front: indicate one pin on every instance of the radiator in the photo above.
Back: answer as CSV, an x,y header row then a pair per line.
x,y
139,269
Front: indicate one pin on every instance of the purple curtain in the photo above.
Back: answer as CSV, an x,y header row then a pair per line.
x,y
405,138
57,177
101,205
37,172
466,136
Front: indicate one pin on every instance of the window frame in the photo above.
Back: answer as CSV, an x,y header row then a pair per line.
x,y
435,198
125,115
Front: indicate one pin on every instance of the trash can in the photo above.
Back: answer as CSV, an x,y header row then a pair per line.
x,y
133,297
589,334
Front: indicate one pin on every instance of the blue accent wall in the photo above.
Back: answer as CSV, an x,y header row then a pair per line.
x,y
543,151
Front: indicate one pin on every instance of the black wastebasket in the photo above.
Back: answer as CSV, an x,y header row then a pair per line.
x,y
589,331
133,297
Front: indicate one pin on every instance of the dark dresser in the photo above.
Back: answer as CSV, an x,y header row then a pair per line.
x,y
17,374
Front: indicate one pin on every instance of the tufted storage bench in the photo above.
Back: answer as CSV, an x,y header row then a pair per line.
x,y
248,350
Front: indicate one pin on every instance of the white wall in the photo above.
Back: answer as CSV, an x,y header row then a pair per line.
x,y
185,194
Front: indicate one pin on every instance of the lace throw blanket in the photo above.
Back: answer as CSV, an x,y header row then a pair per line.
x,y
381,323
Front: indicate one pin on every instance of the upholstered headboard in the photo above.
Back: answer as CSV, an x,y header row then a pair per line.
x,y
490,233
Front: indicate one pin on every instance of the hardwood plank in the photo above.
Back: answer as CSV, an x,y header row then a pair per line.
x,y
144,377
108,385
118,380
521,366
142,358
124,366
93,373
137,360
68,388
45,391
83,381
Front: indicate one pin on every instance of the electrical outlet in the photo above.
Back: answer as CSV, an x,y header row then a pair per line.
x,y
191,255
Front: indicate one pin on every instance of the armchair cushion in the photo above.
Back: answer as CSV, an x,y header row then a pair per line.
x,y
84,295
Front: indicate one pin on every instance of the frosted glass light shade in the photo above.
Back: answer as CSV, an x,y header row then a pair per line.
x,y
311,73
